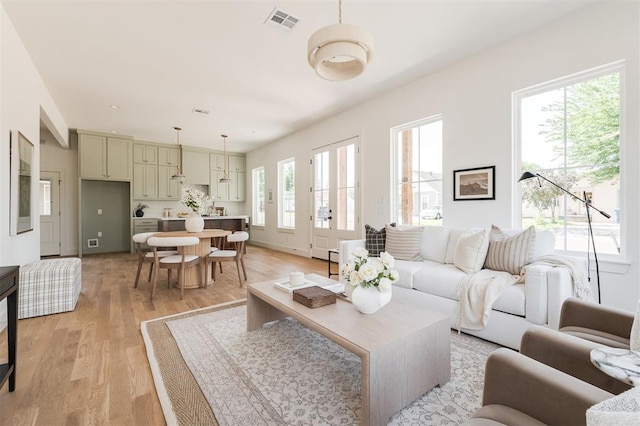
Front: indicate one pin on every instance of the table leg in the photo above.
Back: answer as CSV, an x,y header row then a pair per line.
x,y
260,312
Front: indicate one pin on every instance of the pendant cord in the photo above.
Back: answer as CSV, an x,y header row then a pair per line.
x,y
340,11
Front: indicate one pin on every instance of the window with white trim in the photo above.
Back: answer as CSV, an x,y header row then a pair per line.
x,y
569,132
287,193
417,172
258,196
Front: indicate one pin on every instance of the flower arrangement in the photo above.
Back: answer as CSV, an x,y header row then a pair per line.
x,y
195,199
370,271
141,206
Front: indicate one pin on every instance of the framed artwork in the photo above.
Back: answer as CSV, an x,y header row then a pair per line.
x,y
474,184
21,163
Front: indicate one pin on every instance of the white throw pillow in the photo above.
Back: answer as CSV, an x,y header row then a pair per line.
x,y
510,253
471,250
403,244
434,243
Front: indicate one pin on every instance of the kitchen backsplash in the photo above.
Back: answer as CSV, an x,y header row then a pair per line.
x,y
156,208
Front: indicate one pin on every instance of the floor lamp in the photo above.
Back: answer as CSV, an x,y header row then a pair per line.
x,y
587,205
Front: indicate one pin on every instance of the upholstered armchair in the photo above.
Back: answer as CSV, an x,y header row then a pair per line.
x,y
521,391
583,327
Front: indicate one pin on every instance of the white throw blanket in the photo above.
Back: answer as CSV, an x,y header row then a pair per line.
x,y
477,293
581,288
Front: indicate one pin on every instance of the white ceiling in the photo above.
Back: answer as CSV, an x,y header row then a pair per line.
x,y
158,60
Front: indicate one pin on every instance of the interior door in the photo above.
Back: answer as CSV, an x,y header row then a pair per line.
x,y
336,194
49,213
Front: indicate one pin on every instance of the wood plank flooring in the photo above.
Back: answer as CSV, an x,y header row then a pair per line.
x,y
89,366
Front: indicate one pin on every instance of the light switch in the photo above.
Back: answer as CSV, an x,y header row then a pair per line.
x,y
99,234
99,211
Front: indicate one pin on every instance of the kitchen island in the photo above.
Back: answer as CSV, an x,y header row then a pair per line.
x,y
228,223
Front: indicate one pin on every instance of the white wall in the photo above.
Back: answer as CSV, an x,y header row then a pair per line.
x,y
23,95
474,98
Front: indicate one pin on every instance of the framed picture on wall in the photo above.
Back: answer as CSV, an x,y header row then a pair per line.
x,y
474,184
21,163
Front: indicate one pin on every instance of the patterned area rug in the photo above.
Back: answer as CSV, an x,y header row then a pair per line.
x,y
205,362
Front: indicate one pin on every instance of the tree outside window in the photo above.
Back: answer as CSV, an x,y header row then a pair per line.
x,y
287,194
258,197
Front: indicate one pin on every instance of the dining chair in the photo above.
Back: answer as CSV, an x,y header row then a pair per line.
x,y
236,239
179,261
146,256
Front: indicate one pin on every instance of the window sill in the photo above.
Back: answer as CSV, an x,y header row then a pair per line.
x,y
287,230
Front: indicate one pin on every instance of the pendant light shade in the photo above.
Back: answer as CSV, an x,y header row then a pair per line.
x,y
340,51
225,174
178,176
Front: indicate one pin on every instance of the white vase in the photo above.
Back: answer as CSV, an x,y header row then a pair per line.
x,y
369,299
348,289
194,222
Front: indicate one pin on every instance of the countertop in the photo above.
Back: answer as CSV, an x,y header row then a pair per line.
x,y
204,217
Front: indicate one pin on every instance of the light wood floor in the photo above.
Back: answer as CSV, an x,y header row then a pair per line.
x,y
89,366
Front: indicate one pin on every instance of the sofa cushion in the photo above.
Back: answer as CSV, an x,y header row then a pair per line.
x,y
454,234
407,269
434,243
510,253
404,243
471,251
375,240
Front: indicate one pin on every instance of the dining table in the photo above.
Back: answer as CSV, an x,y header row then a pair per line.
x,y
192,279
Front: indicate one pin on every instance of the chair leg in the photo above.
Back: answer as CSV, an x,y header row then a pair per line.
x,y
150,272
213,270
220,266
181,273
153,284
169,278
135,285
238,268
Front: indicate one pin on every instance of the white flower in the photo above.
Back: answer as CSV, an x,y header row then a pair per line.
x,y
387,259
360,252
385,285
354,278
368,271
376,263
394,275
347,268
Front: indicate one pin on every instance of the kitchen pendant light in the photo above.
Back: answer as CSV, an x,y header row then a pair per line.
x,y
340,51
178,176
225,175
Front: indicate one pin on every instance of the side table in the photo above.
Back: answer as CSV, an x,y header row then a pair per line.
x,y
621,364
9,281
330,252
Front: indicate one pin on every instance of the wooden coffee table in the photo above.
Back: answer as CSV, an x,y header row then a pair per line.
x,y
405,349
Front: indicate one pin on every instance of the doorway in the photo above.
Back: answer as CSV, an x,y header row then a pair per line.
x,y
49,213
336,195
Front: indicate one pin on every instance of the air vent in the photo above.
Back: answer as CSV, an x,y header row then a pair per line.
x,y
200,111
282,20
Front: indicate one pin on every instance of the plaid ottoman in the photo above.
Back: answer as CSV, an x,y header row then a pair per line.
x,y
49,286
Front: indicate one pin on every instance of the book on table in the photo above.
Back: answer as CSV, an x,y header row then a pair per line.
x,y
285,285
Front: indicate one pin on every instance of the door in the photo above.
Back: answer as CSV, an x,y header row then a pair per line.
x,y
49,214
336,194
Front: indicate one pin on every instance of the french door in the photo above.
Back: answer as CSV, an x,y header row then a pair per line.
x,y
335,195
49,213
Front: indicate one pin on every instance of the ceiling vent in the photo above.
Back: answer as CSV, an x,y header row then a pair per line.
x,y
284,21
200,111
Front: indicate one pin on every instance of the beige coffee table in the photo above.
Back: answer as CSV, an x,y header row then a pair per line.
x,y
404,348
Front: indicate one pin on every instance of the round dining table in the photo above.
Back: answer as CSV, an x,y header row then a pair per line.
x,y
203,249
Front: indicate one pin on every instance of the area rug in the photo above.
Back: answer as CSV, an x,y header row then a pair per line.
x,y
204,362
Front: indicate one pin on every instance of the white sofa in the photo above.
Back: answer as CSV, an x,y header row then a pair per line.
x,y
434,279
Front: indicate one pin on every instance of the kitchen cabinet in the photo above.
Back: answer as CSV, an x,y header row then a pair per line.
x,y
237,163
141,225
168,189
145,154
232,191
104,158
145,181
169,157
216,161
195,167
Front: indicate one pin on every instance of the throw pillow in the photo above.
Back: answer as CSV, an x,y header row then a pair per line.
x,y
471,250
374,240
404,244
510,253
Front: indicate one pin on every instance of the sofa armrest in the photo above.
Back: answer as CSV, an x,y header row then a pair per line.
x,y
347,247
546,288
552,397
569,354
578,313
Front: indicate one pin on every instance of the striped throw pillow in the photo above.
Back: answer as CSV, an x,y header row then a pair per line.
x,y
404,244
510,253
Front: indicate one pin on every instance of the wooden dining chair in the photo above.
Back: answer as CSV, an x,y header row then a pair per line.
x,y
179,261
237,240
144,256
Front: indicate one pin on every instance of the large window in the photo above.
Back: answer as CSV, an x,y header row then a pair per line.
x,y
287,193
569,132
258,196
417,173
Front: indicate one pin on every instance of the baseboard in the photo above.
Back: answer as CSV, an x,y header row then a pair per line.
x,y
290,250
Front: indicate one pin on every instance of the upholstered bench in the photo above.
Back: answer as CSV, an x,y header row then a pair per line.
x,y
49,286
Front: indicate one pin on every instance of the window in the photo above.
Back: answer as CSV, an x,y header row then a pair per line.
x,y
258,196
569,132
45,198
417,172
287,193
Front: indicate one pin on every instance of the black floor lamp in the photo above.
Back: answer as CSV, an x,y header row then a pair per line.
x,y
587,205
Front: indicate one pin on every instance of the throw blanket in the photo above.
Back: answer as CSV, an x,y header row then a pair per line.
x,y
581,287
477,293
